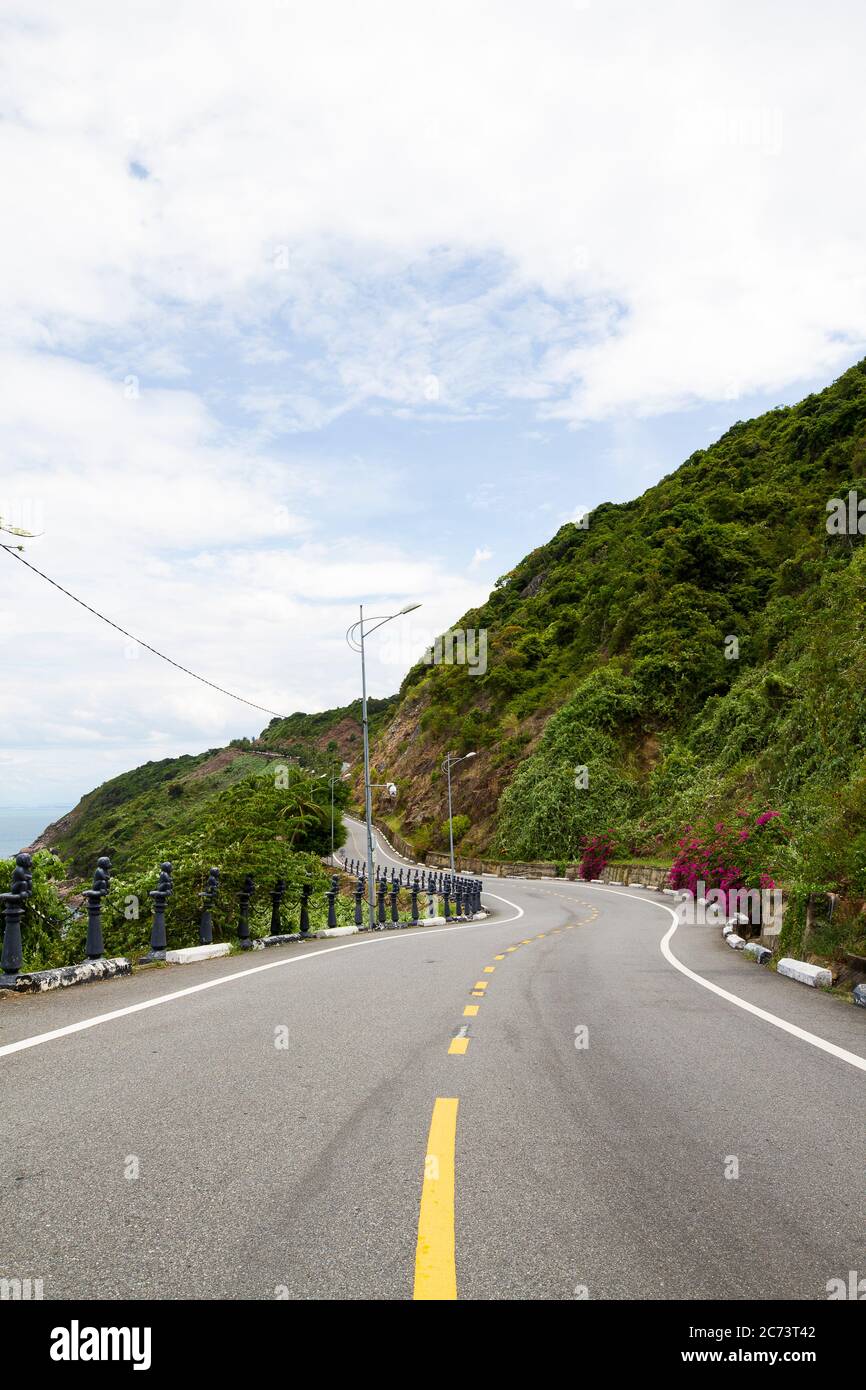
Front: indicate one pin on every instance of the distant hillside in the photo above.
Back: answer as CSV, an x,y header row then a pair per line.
x,y
129,814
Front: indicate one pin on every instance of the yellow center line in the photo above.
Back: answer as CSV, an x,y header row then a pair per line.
x,y
435,1267
499,958
459,1047
489,969
481,984
470,1011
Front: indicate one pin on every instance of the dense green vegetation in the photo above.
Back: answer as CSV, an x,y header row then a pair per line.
x,y
267,826
618,636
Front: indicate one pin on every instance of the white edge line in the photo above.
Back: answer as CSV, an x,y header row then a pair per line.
x,y
83,1024
834,1050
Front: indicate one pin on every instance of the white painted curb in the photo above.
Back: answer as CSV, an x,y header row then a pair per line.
x,y
735,942
727,929
803,972
336,931
188,955
757,952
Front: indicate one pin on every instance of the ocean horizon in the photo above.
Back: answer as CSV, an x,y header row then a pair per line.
x,y
20,825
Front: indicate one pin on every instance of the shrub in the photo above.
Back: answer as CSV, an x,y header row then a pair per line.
x,y
461,825
595,853
745,853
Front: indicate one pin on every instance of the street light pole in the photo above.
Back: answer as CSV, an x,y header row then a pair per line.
x,y
450,816
358,628
368,796
448,765
333,775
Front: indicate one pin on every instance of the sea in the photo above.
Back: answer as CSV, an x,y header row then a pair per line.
x,y
20,825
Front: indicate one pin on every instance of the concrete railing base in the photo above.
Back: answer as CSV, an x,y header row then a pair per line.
x,y
188,955
285,939
39,981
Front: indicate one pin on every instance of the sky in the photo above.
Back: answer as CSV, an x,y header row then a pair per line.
x,y
305,304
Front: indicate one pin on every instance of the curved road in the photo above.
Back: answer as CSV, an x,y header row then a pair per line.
x,y
284,1125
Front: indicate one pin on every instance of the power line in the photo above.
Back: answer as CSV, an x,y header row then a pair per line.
x,y
12,550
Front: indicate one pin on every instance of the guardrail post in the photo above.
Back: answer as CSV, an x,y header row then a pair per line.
x,y
380,905
94,948
13,908
13,951
159,895
279,892
414,913
306,892
359,901
446,896
332,903
244,896
207,895
395,911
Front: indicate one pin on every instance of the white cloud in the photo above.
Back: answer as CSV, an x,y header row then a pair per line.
x,y
633,188
215,555
577,212
481,556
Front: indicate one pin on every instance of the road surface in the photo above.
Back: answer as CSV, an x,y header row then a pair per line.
x,y
541,1106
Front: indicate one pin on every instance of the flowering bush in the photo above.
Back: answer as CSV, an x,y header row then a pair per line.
x,y
729,856
595,851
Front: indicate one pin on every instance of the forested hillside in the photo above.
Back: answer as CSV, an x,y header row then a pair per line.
x,y
611,648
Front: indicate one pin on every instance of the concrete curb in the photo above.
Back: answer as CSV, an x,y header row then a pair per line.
x,y
755,951
803,972
736,943
284,939
859,995
188,955
39,981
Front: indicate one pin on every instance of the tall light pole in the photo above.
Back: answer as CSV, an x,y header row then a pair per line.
x,y
451,761
355,638
333,778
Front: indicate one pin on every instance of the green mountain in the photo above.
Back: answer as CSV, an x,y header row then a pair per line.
x,y
697,650
135,817
692,654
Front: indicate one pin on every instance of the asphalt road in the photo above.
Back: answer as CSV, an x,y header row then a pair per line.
x,y
575,1136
